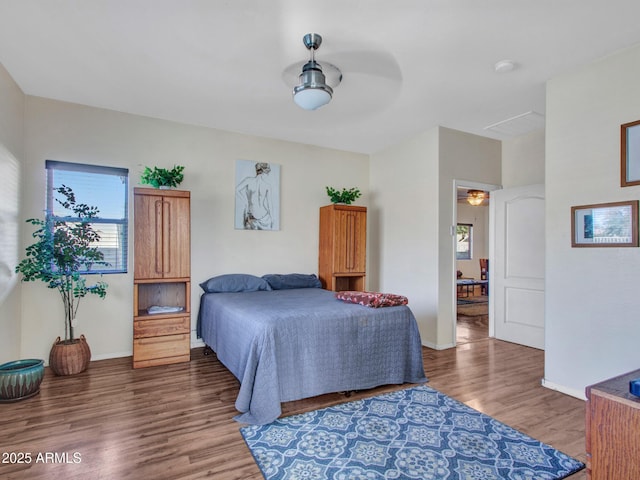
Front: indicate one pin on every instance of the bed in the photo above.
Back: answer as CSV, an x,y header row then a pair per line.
x,y
288,343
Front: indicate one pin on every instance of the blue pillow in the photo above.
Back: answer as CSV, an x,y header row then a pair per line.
x,y
292,280
234,282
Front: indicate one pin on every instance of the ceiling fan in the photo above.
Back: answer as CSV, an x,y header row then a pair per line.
x,y
313,82
313,91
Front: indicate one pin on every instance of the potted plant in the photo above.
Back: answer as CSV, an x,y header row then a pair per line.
x,y
162,177
20,379
345,196
62,249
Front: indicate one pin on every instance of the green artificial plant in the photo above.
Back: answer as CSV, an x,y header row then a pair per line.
x,y
345,196
162,177
61,250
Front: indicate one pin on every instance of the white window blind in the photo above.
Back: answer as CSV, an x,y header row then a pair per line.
x,y
105,188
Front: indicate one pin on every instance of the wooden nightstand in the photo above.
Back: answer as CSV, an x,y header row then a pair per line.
x,y
613,430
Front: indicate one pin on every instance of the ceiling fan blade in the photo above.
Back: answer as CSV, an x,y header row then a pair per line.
x,y
337,64
369,62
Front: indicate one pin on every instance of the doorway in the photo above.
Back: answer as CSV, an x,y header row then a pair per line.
x,y
473,288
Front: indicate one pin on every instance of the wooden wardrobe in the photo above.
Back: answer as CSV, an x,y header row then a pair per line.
x,y
162,277
342,252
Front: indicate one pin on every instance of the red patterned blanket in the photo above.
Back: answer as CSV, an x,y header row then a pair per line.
x,y
372,299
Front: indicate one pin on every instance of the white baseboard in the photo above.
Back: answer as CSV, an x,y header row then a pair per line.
x,y
438,347
562,389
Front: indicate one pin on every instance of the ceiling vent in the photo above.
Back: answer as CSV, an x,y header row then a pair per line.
x,y
518,125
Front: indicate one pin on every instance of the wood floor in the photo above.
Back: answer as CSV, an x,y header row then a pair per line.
x,y
471,328
175,422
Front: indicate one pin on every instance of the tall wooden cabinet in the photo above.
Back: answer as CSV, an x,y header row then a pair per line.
x,y
162,277
613,430
342,253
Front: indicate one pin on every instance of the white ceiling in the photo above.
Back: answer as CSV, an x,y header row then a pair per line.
x,y
408,65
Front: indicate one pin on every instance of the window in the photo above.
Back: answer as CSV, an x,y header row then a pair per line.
x,y
463,241
105,188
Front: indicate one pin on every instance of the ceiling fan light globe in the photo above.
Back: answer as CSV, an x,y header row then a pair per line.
x,y
311,98
312,92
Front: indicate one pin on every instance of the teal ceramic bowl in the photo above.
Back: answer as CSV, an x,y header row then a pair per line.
x,y
20,379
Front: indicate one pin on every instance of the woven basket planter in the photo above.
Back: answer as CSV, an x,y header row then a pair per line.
x,y
20,379
69,358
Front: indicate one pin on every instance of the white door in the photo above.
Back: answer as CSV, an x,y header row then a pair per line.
x,y
516,274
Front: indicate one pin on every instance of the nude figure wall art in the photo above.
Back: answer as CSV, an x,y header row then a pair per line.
x,y
257,195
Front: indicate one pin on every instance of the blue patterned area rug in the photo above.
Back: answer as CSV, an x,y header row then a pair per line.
x,y
417,433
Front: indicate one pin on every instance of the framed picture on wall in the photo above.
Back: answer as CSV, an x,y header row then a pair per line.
x,y
630,154
257,205
605,225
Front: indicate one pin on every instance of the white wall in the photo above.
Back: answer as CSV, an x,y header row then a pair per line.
x,y
592,324
523,160
11,153
403,226
68,132
412,195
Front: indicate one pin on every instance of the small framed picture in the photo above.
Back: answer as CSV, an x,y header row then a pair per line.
x,y
605,225
630,154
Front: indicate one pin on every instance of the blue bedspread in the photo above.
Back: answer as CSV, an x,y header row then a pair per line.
x,y
286,345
